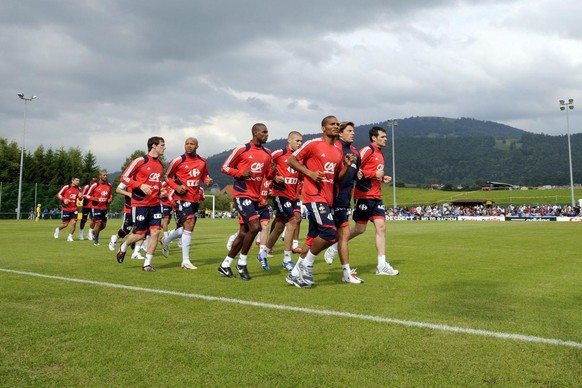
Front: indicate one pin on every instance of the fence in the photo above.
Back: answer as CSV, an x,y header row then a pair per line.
x,y
32,194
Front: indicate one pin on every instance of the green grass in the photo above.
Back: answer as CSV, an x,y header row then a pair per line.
x,y
519,278
414,197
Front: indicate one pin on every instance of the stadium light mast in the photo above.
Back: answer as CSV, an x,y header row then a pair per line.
x,y
26,100
392,124
567,106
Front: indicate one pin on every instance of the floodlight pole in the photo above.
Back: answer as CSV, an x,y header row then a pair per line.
x,y
26,100
567,105
392,124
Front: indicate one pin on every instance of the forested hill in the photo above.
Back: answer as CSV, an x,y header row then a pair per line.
x,y
462,151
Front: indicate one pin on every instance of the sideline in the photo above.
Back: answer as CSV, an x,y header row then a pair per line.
x,y
424,325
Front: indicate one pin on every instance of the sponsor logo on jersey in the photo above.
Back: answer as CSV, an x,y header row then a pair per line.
x,y
329,168
257,167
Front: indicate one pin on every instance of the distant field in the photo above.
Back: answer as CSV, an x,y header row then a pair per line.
x,y
414,197
477,304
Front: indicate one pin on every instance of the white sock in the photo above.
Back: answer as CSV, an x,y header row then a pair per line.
x,y
295,244
264,251
333,247
309,258
186,239
286,256
148,260
227,262
174,234
346,268
124,247
114,238
242,259
295,270
381,261
80,232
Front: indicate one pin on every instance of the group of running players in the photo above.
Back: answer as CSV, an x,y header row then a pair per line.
x,y
325,172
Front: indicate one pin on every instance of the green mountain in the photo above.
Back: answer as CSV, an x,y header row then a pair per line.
x,y
462,151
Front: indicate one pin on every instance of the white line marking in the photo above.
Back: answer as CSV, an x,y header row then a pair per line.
x,y
484,333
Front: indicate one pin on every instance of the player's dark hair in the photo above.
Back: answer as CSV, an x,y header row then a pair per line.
x,y
326,118
344,124
154,141
374,132
257,127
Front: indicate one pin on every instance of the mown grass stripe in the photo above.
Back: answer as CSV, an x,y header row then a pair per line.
x,y
424,325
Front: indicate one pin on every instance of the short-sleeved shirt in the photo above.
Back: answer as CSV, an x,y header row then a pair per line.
x,y
318,155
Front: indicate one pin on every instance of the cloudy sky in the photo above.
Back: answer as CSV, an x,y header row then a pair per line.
x,y
109,74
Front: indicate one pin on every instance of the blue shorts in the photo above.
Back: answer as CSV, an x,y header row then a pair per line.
x,y
321,223
186,210
265,213
341,216
98,215
247,209
86,212
127,223
69,216
146,218
166,211
286,209
368,209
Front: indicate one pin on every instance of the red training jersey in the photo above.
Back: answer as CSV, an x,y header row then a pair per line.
x,y
256,159
86,202
188,171
318,155
72,193
126,199
99,195
372,161
144,170
290,187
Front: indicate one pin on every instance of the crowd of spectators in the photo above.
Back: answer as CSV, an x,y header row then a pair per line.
x,y
447,210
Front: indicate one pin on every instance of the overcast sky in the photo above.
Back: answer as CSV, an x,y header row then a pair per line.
x,y
109,74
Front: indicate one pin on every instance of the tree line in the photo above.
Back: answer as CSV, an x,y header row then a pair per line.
x,y
45,171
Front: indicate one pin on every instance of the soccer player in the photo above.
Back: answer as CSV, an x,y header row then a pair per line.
x,y
285,191
184,175
126,223
100,195
319,161
342,204
86,212
265,212
143,175
369,206
167,210
249,164
68,195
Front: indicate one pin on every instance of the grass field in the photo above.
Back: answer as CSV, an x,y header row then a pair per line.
x,y
414,197
93,322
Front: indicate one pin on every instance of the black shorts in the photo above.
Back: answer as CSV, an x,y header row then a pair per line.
x,y
146,218
321,223
368,209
